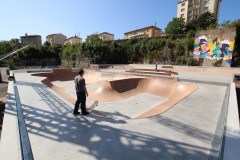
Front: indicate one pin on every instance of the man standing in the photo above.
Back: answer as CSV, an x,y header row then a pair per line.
x,y
81,92
156,65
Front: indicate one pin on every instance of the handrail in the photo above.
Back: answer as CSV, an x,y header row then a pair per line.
x,y
11,53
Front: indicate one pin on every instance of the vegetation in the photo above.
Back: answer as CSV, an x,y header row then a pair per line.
x,y
236,51
175,27
175,48
203,22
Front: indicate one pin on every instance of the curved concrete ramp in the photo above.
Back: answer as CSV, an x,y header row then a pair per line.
x,y
116,87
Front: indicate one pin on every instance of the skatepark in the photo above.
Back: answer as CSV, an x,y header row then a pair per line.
x,y
180,113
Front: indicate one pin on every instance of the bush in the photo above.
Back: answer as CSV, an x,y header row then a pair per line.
x,y
10,64
187,61
193,62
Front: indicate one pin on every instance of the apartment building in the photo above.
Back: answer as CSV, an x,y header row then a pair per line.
x,y
73,40
34,40
150,31
56,38
106,36
189,9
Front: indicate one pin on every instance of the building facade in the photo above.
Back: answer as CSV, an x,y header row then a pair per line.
x,y
146,32
34,40
73,40
189,9
56,38
105,36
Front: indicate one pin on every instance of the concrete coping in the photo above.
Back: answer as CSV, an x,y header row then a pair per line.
x,y
232,130
217,144
10,143
15,142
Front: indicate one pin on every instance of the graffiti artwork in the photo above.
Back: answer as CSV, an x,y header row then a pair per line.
x,y
214,49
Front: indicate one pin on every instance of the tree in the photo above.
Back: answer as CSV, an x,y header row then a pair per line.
x,y
179,49
92,38
205,21
175,27
15,43
225,23
236,51
5,47
189,41
235,23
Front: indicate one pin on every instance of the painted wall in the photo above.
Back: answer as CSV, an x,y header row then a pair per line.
x,y
214,49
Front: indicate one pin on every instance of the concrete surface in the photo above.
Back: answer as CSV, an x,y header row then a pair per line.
x,y
115,87
232,135
184,132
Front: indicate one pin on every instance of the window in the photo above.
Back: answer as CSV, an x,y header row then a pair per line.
x,y
183,4
182,15
205,3
205,9
183,9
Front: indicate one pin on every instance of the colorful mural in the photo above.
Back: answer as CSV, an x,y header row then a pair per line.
x,y
214,49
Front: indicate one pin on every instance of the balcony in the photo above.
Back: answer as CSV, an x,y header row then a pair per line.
x,y
136,34
190,8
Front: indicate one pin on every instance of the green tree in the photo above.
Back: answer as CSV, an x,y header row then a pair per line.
x,y
188,42
225,23
179,49
236,51
205,21
175,27
15,43
5,47
92,38
235,23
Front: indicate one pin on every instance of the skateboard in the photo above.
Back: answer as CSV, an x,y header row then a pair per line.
x,y
92,106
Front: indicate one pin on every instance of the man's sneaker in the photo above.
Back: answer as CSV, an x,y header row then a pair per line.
x,y
86,113
76,113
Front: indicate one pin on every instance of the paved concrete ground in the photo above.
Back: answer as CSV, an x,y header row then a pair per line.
x,y
183,132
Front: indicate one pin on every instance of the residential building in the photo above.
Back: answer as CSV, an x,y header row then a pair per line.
x,y
189,9
150,31
106,36
73,40
56,38
34,40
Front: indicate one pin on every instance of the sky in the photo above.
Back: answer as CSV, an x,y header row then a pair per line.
x,y
86,17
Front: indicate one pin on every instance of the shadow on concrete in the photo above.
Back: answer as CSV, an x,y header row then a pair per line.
x,y
184,128
2,108
232,145
101,140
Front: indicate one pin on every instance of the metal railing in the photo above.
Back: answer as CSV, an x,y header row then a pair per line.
x,y
11,53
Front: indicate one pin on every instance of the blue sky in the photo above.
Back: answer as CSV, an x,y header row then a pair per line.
x,y
85,17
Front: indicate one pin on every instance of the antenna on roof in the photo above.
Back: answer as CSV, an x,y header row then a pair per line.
x,y
156,24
